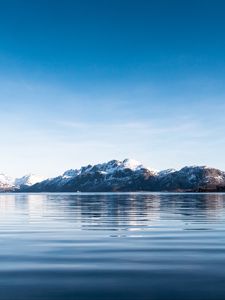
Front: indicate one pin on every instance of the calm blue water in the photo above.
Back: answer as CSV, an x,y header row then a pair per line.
x,y
112,246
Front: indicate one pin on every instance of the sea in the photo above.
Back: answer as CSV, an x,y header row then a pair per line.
x,y
112,246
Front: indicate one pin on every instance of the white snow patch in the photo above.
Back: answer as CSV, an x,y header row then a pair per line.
x,y
6,180
28,180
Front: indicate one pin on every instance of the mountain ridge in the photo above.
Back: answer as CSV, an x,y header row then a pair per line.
x,y
8,183
127,175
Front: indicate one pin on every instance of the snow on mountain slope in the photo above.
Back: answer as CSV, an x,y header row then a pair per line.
x,y
116,175
70,173
28,180
131,164
192,178
166,172
112,175
115,165
6,182
4,179
107,168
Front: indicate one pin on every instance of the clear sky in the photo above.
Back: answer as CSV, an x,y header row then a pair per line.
x,y
92,80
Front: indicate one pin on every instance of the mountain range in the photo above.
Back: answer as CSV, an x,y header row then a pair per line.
x,y
125,176
9,184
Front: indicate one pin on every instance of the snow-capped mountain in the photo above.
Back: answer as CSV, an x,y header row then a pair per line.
x,y
194,178
28,180
115,175
16,184
130,175
6,183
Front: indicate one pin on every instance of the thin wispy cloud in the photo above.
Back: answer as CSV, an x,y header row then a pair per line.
x,y
131,93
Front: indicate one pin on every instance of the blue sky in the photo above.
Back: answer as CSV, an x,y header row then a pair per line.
x,y
88,81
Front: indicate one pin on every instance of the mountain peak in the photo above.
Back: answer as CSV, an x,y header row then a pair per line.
x,y
132,164
28,180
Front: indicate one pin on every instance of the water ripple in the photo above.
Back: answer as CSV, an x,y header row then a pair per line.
x,y
112,246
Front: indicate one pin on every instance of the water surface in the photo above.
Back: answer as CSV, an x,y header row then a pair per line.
x,y
112,246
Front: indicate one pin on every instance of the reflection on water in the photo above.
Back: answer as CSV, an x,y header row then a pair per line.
x,y
107,246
